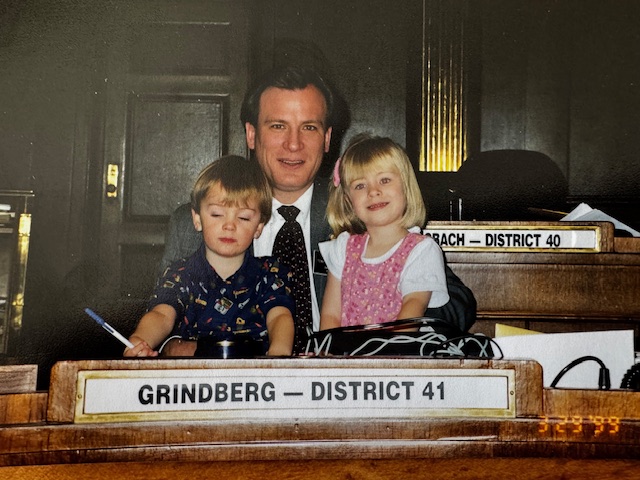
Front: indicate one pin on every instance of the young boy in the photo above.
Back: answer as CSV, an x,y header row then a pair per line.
x,y
222,290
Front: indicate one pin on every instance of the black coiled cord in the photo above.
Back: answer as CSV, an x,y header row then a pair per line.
x,y
631,379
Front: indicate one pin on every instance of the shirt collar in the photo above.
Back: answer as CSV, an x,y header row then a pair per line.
x,y
303,203
202,265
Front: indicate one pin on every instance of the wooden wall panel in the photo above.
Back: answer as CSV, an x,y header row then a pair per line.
x,y
170,139
372,469
364,50
562,284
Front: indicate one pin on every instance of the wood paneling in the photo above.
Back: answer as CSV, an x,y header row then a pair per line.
x,y
170,139
552,292
370,469
18,378
23,408
364,50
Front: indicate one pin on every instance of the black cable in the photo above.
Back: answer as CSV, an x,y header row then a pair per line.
x,y
604,379
467,337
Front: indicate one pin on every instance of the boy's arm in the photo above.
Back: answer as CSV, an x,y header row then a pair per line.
x,y
154,326
280,328
177,347
331,314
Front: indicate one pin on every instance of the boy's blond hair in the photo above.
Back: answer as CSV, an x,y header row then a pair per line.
x,y
363,154
240,179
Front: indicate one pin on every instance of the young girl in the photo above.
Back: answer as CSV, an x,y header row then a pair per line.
x,y
380,267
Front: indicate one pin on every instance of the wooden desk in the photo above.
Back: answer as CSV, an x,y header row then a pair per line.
x,y
544,440
554,292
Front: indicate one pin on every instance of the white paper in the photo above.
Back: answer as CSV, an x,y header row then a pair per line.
x,y
584,213
554,351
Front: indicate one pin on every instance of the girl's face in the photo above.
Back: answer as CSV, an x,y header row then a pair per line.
x,y
378,198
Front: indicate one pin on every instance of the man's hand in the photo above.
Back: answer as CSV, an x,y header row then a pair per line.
x,y
177,347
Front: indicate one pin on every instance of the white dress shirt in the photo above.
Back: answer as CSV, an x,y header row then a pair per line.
x,y
263,246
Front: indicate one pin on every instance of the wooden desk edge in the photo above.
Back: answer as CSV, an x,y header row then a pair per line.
x,y
18,378
63,389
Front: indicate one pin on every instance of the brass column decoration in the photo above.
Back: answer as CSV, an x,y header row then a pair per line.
x,y
15,233
444,88
17,303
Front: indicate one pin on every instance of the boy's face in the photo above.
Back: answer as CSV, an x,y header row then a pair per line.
x,y
227,230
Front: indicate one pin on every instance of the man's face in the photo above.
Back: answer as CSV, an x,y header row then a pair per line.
x,y
290,139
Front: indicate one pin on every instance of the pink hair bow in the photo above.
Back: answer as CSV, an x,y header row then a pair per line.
x,y
336,173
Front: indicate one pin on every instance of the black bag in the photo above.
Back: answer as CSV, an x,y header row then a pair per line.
x,y
460,311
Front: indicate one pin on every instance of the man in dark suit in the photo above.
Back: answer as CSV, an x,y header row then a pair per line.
x,y
288,119
288,123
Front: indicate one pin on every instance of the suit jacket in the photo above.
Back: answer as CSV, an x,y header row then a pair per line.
x,y
182,239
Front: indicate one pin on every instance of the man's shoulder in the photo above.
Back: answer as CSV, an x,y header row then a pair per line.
x,y
182,215
321,189
182,239
319,225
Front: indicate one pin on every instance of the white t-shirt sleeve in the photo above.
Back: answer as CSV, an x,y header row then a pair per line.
x,y
424,272
334,253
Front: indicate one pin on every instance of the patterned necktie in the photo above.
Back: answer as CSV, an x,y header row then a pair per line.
x,y
290,247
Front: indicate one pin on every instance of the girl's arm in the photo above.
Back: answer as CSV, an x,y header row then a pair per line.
x,y
414,304
153,328
331,314
280,328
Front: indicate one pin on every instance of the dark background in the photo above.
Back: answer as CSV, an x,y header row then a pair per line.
x,y
558,77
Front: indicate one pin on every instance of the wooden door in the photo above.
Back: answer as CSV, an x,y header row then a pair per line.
x,y
176,74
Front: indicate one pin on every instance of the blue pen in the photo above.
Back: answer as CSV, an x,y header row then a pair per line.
x,y
107,327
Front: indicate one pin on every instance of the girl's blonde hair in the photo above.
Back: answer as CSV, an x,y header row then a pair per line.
x,y
364,153
241,180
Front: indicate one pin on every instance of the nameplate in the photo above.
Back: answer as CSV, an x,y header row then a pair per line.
x,y
286,393
517,238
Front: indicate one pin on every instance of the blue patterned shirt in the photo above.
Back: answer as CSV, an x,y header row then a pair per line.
x,y
206,304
